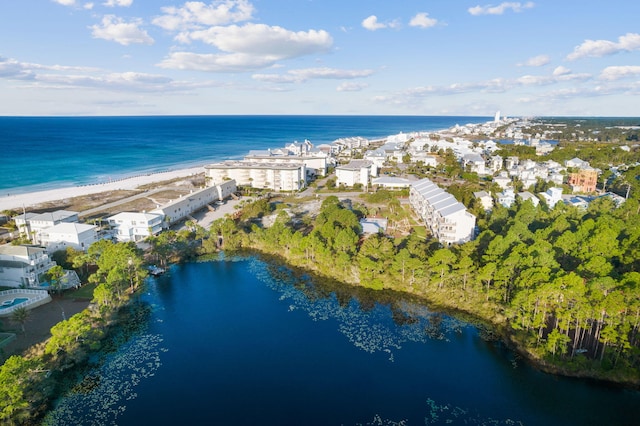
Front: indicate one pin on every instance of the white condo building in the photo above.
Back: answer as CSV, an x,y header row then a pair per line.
x,y
316,164
273,176
448,219
131,226
184,206
357,171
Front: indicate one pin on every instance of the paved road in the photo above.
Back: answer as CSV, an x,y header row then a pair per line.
x,y
205,217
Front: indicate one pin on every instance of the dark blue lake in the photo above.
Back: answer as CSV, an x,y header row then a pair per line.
x,y
245,342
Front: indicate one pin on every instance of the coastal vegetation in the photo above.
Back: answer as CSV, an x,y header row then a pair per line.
x,y
562,284
30,382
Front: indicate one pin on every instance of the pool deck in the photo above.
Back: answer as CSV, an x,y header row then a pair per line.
x,y
36,298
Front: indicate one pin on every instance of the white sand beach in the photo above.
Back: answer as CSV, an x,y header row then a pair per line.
x,y
16,201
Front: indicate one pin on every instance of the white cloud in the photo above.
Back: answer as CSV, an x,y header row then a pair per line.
x,y
264,40
64,77
423,20
619,72
14,70
248,47
536,61
597,48
371,23
413,96
302,75
237,62
114,3
197,15
125,33
561,71
500,9
72,3
349,86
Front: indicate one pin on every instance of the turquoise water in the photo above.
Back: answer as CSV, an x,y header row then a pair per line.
x,y
16,301
243,342
51,152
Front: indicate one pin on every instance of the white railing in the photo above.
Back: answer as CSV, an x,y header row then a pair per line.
x,y
39,297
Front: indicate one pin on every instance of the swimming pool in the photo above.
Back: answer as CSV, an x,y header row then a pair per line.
x,y
13,302
16,298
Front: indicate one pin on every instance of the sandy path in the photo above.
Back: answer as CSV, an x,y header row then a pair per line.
x,y
17,201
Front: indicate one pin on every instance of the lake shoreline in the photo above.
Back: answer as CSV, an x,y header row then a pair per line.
x,y
496,329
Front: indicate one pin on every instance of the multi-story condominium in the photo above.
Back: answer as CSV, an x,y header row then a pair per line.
x,y
584,180
448,219
182,207
315,163
131,226
351,143
273,176
356,172
23,265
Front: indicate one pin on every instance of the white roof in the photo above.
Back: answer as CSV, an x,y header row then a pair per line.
x,y
134,215
70,228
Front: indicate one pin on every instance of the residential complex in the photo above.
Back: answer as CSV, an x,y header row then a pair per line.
x,y
448,219
273,176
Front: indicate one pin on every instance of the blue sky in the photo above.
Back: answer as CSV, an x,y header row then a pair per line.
x,y
409,57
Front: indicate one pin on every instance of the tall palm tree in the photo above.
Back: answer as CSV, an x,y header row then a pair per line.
x,y
21,315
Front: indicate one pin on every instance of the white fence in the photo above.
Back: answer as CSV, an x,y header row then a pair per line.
x,y
36,298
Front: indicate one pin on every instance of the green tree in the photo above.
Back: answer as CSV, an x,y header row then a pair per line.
x,y
16,379
21,315
55,275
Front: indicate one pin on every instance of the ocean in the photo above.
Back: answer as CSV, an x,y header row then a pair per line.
x,y
53,152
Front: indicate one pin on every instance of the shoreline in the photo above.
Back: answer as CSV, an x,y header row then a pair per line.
x,y
30,199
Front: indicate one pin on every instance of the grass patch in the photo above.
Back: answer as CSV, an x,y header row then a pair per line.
x,y
84,292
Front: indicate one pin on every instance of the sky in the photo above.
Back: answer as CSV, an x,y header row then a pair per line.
x,y
329,57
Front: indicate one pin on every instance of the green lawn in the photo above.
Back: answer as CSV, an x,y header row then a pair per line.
x,y
84,292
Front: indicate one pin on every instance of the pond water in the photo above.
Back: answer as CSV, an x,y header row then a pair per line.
x,y
244,342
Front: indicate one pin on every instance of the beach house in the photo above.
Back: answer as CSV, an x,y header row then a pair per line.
x,y
552,196
485,199
584,180
133,226
356,172
33,224
23,265
76,235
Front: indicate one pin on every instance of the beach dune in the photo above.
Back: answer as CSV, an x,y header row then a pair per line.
x,y
29,199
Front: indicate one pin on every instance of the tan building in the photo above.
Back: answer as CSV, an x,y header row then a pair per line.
x,y
584,180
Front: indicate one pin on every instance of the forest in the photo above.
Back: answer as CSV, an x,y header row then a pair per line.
x,y
561,284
